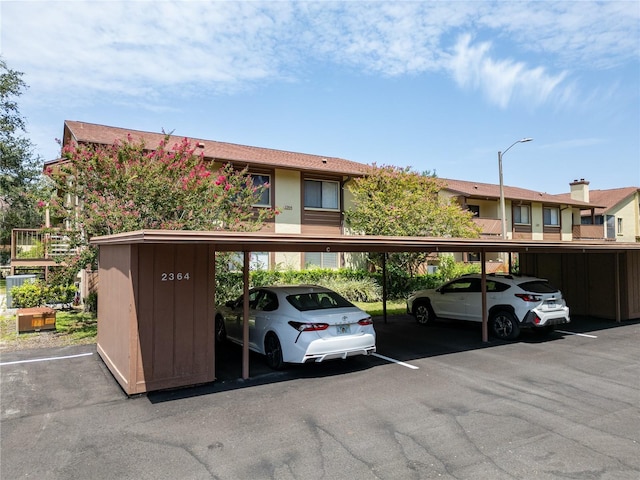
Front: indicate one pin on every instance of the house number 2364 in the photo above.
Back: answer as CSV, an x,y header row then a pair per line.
x,y
171,276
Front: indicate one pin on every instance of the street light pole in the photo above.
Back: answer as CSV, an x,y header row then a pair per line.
x,y
502,207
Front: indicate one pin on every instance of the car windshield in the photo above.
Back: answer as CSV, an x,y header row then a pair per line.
x,y
538,286
317,301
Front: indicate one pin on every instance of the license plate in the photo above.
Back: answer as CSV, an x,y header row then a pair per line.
x,y
343,329
551,305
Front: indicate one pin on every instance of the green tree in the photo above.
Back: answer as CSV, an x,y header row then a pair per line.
x,y
128,186
20,168
396,201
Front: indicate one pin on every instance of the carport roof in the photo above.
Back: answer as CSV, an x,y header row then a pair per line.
x,y
259,241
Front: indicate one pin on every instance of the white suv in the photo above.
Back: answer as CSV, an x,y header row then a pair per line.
x,y
512,303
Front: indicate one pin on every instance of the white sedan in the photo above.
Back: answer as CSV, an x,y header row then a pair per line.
x,y
298,324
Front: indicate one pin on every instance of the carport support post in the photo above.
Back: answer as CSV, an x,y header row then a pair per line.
x,y
245,315
384,286
617,287
483,288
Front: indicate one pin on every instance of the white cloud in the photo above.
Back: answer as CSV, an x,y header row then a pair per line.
x,y
144,49
501,81
124,47
581,34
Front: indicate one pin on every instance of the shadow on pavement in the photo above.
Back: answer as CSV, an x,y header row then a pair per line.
x,y
400,338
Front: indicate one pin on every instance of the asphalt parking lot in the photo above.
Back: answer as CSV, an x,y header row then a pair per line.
x,y
435,402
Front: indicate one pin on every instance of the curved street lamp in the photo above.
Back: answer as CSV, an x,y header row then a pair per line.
x,y
502,209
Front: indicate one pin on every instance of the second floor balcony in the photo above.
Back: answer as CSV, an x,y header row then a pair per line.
x,y
589,232
492,227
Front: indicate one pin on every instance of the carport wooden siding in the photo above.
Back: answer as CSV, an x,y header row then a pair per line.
x,y
589,281
116,314
155,331
575,283
175,316
631,295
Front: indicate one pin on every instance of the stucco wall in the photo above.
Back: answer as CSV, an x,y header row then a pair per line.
x,y
287,261
536,222
288,201
488,208
630,216
566,221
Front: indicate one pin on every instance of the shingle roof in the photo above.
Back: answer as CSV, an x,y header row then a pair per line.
x,y
491,191
489,226
610,198
83,132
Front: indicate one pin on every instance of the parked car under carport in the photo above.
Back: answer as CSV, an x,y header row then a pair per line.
x,y
145,311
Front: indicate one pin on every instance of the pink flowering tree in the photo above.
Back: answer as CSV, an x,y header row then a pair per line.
x,y
129,186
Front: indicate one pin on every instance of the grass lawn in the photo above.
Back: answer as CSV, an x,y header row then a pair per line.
x,y
394,307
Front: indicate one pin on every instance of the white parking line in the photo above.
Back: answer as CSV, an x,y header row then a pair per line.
x,y
46,359
395,361
578,334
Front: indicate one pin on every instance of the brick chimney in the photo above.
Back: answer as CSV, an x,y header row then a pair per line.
x,y
580,190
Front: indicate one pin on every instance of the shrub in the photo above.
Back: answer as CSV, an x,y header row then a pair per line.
x,y
60,294
37,294
91,302
27,295
365,290
449,268
354,285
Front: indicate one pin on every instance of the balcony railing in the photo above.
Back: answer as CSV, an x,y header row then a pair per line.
x,y
490,227
30,244
588,232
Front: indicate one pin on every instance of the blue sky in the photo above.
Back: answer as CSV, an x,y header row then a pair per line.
x,y
439,86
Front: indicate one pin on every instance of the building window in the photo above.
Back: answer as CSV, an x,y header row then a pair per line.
x,y
597,220
619,226
259,181
257,261
321,194
551,217
475,209
521,215
320,260
473,257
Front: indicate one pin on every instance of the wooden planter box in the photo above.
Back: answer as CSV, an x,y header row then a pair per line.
x,y
35,319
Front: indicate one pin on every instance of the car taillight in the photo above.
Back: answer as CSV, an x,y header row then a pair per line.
x,y
365,321
527,297
309,327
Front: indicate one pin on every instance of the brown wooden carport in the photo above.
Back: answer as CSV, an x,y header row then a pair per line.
x,y
156,304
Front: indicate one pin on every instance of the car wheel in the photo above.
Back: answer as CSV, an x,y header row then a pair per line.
x,y
273,351
423,313
221,332
504,325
